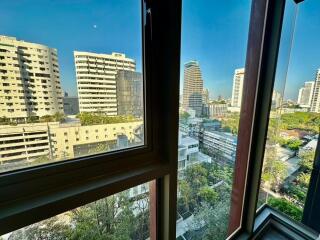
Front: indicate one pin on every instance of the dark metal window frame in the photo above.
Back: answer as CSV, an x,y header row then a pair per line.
x,y
33,194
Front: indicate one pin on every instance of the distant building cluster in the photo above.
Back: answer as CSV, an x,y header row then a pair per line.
x,y
30,89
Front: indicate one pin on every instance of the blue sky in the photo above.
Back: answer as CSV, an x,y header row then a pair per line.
x,y
213,33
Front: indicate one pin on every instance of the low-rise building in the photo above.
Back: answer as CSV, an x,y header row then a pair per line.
x,y
189,153
221,146
218,109
25,143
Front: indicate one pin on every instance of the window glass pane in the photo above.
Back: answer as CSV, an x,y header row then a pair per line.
x,y
214,40
71,79
295,113
124,215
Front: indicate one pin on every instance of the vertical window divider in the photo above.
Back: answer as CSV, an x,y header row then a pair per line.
x,y
262,52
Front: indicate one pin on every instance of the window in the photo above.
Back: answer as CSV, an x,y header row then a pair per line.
x,y
104,103
294,118
124,215
212,74
222,177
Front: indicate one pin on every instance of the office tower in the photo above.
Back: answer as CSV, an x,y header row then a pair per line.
x,y
315,101
192,87
129,93
96,80
237,87
305,94
30,81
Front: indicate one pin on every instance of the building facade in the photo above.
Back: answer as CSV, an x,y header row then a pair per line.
x,y
129,93
30,80
96,80
315,101
218,109
237,87
220,145
53,141
305,94
192,87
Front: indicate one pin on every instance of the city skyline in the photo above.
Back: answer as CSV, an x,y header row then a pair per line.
x,y
196,32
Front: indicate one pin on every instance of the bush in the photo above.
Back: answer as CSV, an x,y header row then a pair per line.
x,y
286,207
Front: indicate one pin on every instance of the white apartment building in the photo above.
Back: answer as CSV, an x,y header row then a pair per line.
x,y
29,80
305,94
315,101
96,80
237,87
192,87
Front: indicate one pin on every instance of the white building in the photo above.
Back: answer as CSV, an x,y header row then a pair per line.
x,y
96,80
217,109
315,101
305,94
221,145
188,152
237,87
30,80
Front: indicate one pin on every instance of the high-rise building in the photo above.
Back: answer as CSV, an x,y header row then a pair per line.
x,y
305,94
30,80
96,80
192,87
276,99
237,87
129,93
315,101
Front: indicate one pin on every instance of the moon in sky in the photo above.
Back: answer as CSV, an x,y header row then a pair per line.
x,y
95,26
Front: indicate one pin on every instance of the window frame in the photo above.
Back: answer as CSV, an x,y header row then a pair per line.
x,y
32,194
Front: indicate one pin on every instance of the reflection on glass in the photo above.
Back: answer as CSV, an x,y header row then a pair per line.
x,y
124,215
294,124
70,81
213,53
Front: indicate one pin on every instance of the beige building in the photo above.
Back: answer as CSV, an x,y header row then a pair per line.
x,y
237,88
25,143
192,87
315,101
96,80
29,80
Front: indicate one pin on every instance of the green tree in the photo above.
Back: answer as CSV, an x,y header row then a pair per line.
x,y
274,170
106,219
231,122
184,116
208,195
213,220
306,160
50,229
